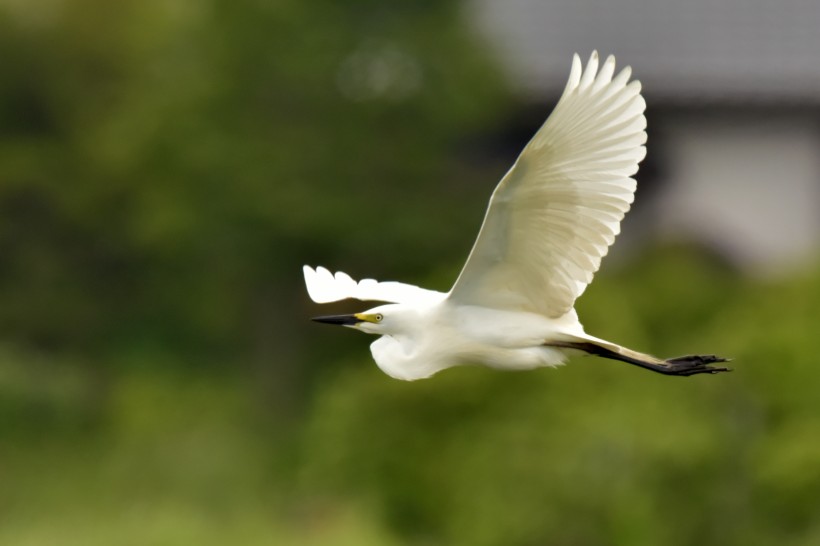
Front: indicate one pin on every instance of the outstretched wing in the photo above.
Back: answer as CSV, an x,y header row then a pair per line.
x,y
554,214
325,287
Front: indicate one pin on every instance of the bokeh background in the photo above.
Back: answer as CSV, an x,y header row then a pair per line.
x,y
167,166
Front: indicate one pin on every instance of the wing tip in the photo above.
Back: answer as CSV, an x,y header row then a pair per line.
x,y
582,75
322,286
588,75
574,73
311,284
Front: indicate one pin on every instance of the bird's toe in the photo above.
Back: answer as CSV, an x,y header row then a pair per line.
x,y
695,364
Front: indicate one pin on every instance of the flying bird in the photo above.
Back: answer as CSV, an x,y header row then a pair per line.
x,y
550,221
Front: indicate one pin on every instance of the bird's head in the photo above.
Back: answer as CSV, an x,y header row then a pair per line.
x,y
385,319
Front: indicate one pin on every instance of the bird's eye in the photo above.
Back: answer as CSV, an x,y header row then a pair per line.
x,y
379,317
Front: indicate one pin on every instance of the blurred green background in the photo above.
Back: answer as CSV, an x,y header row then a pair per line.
x,y
166,167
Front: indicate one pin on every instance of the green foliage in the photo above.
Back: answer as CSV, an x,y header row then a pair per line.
x,y
166,164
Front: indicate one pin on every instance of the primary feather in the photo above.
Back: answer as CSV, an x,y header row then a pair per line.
x,y
325,287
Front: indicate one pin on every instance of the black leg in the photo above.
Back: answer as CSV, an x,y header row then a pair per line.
x,y
682,365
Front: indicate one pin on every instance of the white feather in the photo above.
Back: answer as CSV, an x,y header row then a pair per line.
x,y
325,287
555,213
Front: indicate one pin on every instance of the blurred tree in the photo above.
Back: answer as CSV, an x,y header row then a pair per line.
x,y
168,167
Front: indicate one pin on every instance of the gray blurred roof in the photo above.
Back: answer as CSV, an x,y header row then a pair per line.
x,y
759,50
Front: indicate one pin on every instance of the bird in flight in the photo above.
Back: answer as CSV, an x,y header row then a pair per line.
x,y
549,223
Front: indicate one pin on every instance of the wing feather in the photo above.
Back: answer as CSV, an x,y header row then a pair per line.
x,y
554,215
325,287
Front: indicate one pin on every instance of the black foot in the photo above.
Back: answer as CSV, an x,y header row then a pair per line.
x,y
693,364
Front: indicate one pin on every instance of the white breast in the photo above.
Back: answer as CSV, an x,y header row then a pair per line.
x,y
406,361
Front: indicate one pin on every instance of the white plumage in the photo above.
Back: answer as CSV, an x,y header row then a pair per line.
x,y
325,287
549,223
555,213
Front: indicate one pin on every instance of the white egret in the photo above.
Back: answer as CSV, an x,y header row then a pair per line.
x,y
549,222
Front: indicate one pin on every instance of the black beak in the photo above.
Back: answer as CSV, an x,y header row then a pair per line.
x,y
341,320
